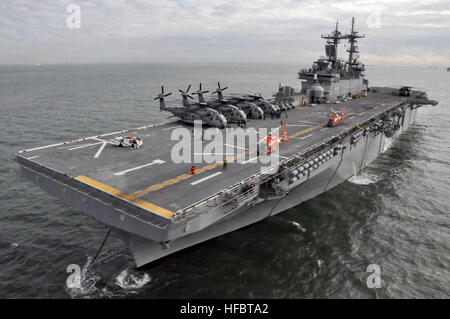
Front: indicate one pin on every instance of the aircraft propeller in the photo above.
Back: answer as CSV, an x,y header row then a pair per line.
x,y
185,93
162,95
219,89
199,91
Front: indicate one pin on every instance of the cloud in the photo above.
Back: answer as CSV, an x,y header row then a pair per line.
x,y
219,30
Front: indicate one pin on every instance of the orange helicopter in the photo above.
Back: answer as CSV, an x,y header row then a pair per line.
x,y
273,141
335,119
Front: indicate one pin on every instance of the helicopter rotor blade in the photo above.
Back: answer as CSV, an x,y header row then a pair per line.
x,y
167,94
188,88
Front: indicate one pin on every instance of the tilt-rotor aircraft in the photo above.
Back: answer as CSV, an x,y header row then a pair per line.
x,y
192,112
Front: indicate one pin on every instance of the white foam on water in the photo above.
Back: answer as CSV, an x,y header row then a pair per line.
x,y
364,179
298,226
85,285
319,263
387,143
132,279
14,245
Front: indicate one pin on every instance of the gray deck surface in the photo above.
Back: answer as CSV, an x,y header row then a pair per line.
x,y
308,124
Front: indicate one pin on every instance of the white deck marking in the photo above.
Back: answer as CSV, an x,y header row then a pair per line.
x,y
307,122
351,118
32,157
86,145
103,141
156,161
212,154
302,138
325,128
249,160
41,148
169,128
362,113
100,150
242,148
206,178
299,125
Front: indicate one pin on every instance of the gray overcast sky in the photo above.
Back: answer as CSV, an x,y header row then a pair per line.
x,y
397,31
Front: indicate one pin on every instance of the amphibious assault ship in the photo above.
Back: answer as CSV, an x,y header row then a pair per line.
x,y
159,207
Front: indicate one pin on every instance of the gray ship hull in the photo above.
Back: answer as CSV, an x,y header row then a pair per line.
x,y
340,169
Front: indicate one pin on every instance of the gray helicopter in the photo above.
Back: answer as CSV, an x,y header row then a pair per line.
x,y
252,110
231,112
192,112
257,99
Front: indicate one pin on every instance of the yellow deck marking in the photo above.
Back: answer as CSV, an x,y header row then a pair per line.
x,y
129,198
186,176
214,165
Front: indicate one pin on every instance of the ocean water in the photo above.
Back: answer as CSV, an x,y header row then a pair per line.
x,y
395,213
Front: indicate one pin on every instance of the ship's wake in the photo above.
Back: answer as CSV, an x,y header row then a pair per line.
x,y
132,279
90,283
364,178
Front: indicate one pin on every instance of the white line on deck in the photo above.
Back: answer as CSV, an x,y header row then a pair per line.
x,y
169,128
206,178
362,113
100,150
41,148
299,125
103,141
302,138
212,154
82,146
249,160
350,118
242,148
325,128
157,161
308,122
32,157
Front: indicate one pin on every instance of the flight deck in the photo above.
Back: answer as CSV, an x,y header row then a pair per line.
x,y
149,180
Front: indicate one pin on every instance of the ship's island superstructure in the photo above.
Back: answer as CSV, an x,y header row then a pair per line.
x,y
159,207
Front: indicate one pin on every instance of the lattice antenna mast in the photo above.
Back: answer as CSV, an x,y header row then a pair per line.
x,y
353,50
333,40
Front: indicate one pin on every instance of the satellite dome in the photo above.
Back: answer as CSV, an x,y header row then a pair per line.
x,y
318,90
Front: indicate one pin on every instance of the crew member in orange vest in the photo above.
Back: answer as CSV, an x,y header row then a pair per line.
x,y
193,170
